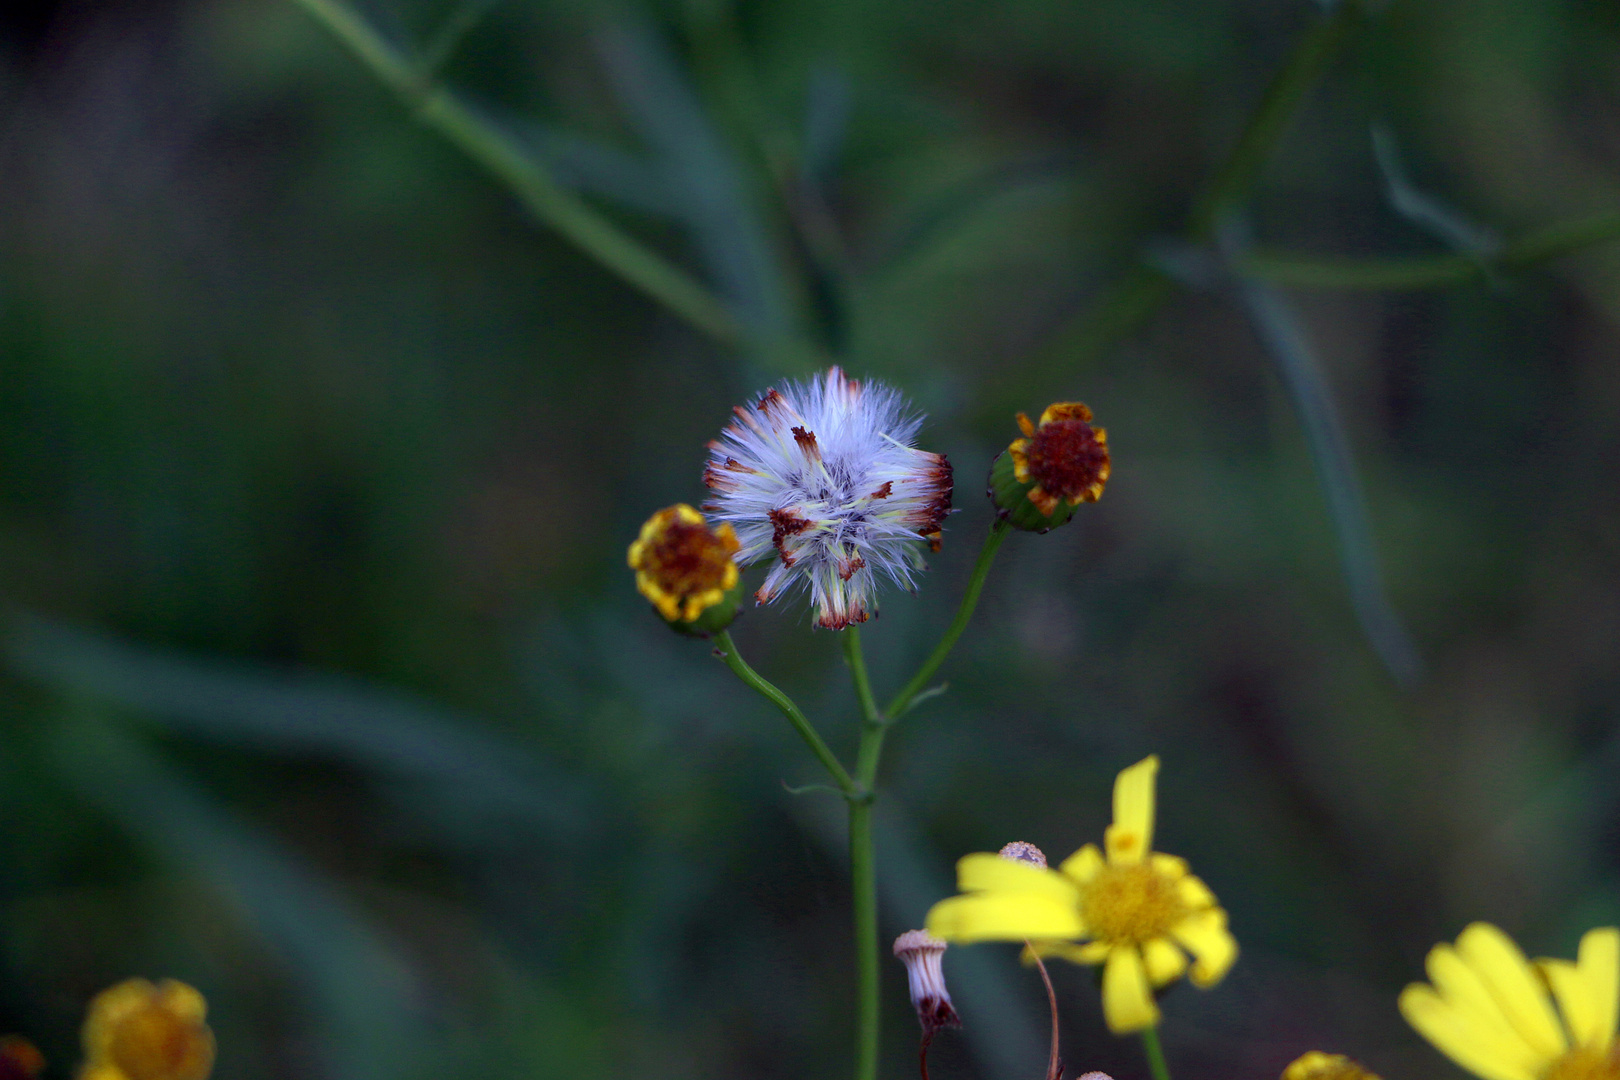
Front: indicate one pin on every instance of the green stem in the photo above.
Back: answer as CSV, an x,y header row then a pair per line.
x,y
548,201
863,889
964,612
726,650
1432,271
1155,1054
857,671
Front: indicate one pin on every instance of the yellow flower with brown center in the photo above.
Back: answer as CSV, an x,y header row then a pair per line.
x,y
684,567
138,1030
1503,1018
1136,911
1316,1065
1059,463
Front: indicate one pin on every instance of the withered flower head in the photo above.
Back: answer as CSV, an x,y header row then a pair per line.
x,y
687,569
1020,851
1058,464
822,477
140,1031
921,951
19,1058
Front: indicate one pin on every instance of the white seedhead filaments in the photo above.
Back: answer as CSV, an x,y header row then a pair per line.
x,y
922,952
823,475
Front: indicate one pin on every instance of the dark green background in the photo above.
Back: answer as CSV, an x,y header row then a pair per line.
x,y
325,685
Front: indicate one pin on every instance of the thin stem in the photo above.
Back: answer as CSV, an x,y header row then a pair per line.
x,y
1054,1061
964,612
922,1054
1155,1053
857,672
1432,271
863,886
1310,58
726,650
548,201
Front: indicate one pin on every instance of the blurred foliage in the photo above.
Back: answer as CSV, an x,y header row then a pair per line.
x,y
325,686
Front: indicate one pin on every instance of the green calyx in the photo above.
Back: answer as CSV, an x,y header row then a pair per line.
x,y
1010,497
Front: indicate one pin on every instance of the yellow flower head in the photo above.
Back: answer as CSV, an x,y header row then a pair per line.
x,y
141,1031
1500,1017
1136,911
1316,1065
683,566
1064,456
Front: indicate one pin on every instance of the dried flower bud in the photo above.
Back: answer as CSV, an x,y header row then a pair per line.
x,y
1056,466
686,569
921,951
19,1058
141,1031
1316,1065
1019,851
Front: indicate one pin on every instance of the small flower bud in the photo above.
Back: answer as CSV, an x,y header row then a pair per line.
x,y
141,1031
1058,464
1095,1076
686,569
1316,1065
921,951
19,1058
1019,851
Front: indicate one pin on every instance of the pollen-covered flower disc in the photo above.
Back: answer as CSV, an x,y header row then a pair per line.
x,y
823,476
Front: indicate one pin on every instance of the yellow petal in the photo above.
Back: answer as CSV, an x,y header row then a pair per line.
x,y
107,1009
1083,865
1194,893
1002,917
1599,962
1574,1000
1164,961
1127,1000
1512,983
1463,988
1130,837
985,872
182,1000
1213,947
1092,952
1481,1049
1173,867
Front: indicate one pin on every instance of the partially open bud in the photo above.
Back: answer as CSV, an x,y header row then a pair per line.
x,y
141,1031
1316,1065
686,569
19,1058
921,951
1020,851
1058,464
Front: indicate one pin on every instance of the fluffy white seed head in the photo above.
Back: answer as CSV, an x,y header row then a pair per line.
x,y
823,476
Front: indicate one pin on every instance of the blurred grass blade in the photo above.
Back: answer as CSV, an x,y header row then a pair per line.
x,y
600,168
1284,338
503,157
355,990
700,171
267,709
1425,211
828,104
447,39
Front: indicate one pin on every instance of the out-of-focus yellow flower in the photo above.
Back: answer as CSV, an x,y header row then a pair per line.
x,y
1135,911
1315,1065
684,567
138,1030
1493,1012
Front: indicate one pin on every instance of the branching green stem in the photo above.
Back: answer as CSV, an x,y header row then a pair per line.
x,y
539,192
1155,1054
726,650
863,889
964,611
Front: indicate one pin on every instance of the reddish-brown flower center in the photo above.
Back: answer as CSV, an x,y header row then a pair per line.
x,y
687,558
1068,460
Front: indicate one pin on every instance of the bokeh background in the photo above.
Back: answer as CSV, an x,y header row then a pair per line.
x,y
325,687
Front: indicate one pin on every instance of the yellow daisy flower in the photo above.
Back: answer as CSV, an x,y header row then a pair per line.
x,y
1503,1018
686,568
138,1030
1135,911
